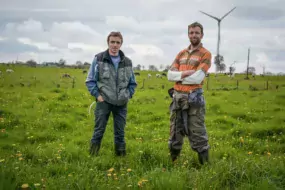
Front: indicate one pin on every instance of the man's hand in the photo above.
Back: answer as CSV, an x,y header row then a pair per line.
x,y
100,99
187,73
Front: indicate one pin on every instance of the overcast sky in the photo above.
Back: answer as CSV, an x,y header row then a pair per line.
x,y
154,31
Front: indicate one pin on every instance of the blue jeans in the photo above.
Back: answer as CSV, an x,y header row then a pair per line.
x,y
102,113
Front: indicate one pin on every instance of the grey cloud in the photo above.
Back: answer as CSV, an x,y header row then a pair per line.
x,y
13,46
259,13
76,50
158,23
275,55
128,50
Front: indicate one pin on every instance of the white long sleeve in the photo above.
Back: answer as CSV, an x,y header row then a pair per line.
x,y
174,76
195,78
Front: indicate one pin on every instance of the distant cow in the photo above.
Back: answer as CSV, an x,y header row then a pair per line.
x,y
84,71
9,71
137,74
158,75
148,75
65,75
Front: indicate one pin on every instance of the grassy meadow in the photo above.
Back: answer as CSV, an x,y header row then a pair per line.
x,y
45,130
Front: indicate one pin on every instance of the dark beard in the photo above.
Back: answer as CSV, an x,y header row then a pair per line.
x,y
195,43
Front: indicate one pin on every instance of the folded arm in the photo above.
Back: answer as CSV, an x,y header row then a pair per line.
x,y
190,77
194,77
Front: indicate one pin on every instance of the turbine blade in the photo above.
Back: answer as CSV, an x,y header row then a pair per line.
x,y
210,16
228,13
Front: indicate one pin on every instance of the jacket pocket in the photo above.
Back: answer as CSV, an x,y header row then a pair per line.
x,y
124,94
106,72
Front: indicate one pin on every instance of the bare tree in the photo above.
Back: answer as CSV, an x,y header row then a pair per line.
x,y
152,68
232,69
31,63
250,70
138,67
166,68
222,67
61,62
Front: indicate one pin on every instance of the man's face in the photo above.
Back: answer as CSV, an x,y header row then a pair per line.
x,y
114,45
195,35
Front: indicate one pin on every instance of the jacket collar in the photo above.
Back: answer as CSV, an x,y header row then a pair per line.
x,y
106,55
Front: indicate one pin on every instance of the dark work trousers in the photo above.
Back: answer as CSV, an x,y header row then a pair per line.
x,y
102,113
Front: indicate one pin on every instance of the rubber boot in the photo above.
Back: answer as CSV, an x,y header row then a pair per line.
x,y
94,149
120,149
174,154
203,157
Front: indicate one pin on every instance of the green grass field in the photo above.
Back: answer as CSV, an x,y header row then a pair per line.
x,y
45,130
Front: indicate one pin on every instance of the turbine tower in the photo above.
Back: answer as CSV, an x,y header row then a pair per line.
x,y
217,60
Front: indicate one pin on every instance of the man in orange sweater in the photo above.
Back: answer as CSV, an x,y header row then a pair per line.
x,y
188,106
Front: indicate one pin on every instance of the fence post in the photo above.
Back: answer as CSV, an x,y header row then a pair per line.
x,y
73,82
208,82
143,84
237,84
266,85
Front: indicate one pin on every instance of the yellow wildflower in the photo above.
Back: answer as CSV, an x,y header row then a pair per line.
x,y
129,170
111,170
25,186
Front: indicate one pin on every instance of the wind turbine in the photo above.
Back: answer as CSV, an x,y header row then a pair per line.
x,y
217,61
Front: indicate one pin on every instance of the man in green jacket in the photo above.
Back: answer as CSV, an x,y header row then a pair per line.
x,y
112,82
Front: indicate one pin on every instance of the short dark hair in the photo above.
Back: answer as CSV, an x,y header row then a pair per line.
x,y
115,34
196,24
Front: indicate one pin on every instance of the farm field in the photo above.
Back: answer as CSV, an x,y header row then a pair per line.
x,y
45,130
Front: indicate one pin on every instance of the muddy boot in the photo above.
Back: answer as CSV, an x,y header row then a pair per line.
x,y
94,149
203,157
174,154
120,149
